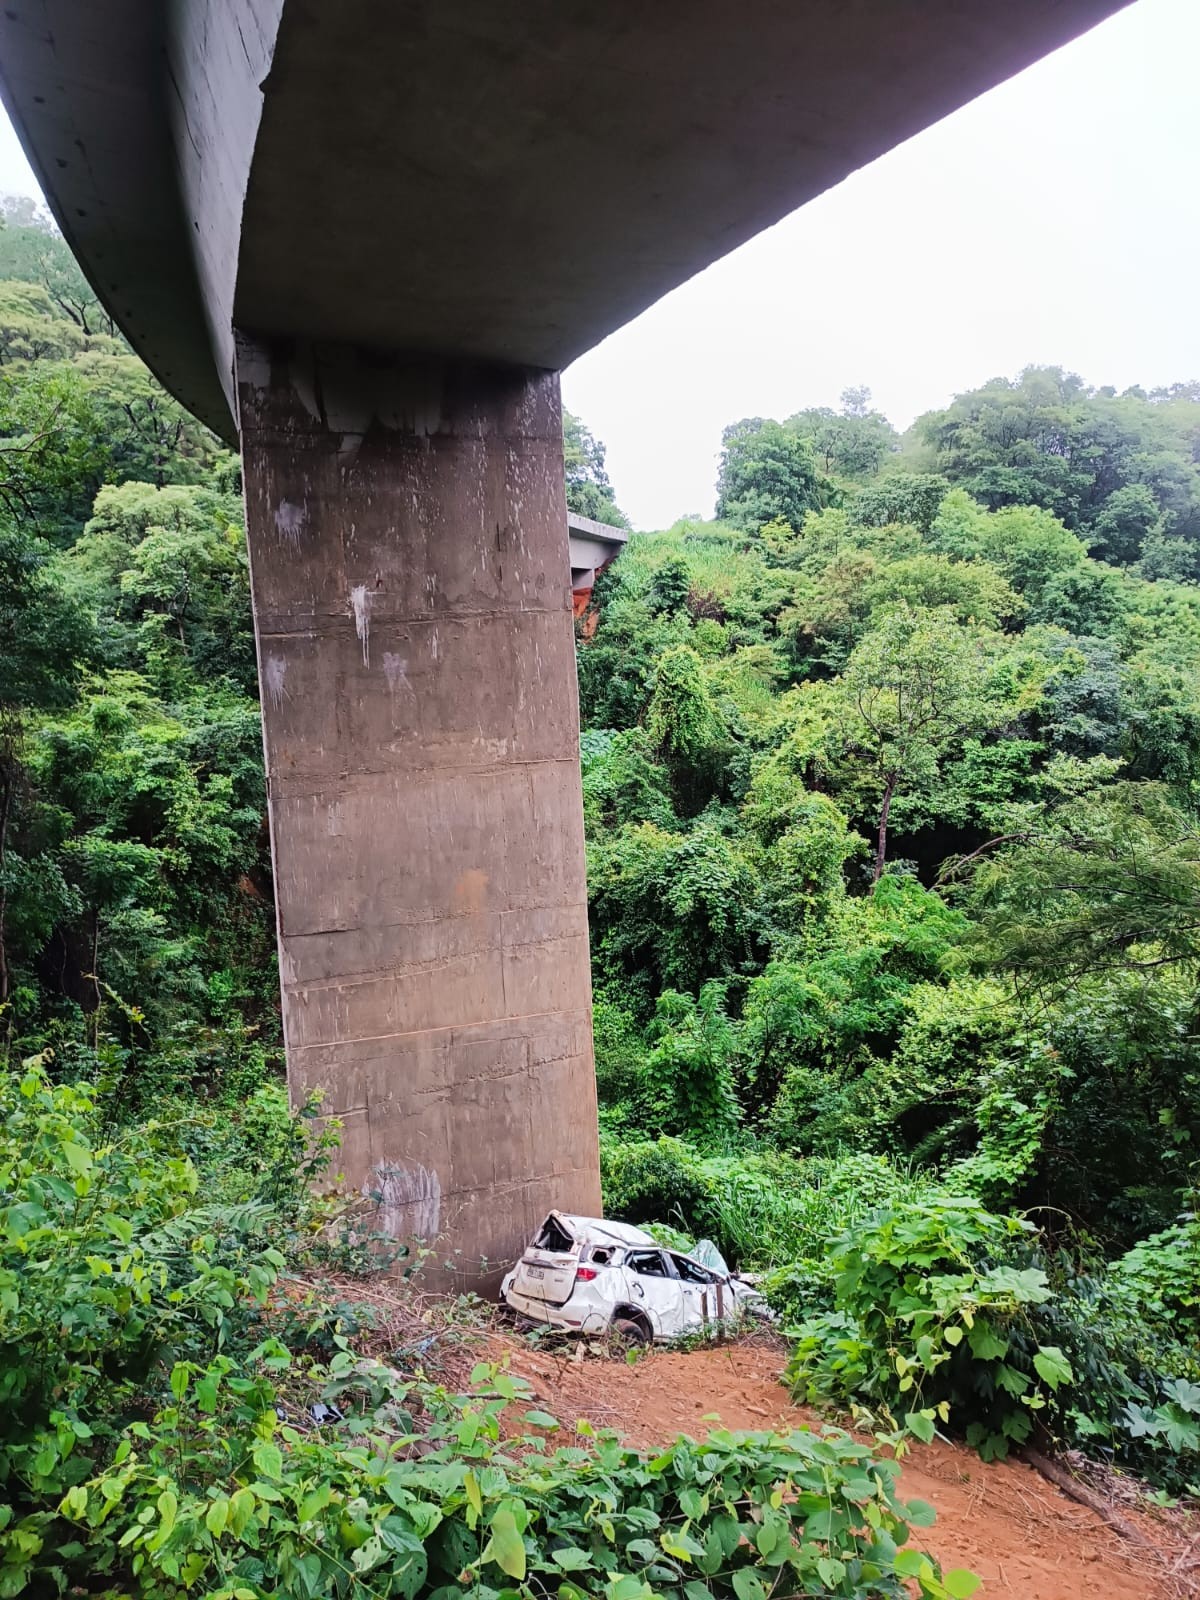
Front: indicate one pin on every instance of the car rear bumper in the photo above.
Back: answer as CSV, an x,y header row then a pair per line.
x,y
570,1318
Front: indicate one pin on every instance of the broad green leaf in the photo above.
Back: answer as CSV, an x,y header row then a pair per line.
x,y
572,1559
911,1563
1184,1393
268,1459
747,1585
168,1510
680,1545
920,1426
315,1502
506,1547
959,1583
920,1513
1052,1366
241,1509
77,1157
474,1497
986,1344
541,1419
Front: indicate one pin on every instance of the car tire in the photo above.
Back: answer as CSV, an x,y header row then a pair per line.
x,y
627,1334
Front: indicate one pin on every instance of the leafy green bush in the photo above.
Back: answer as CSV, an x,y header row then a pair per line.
x,y
1161,1276
422,1495
933,1321
688,1085
655,1181
110,1263
1136,1386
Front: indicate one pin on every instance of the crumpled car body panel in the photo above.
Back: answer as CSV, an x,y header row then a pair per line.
x,y
580,1274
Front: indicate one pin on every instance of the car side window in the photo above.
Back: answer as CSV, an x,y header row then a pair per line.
x,y
650,1263
691,1271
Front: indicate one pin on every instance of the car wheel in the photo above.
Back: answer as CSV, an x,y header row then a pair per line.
x,y
626,1334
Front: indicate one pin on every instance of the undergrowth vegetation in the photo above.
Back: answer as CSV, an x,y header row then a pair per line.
x,y
161,1439
890,779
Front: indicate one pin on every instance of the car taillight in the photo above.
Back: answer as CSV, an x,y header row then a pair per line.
x,y
585,1274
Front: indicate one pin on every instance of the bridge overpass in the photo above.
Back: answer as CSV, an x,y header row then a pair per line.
x,y
592,546
362,240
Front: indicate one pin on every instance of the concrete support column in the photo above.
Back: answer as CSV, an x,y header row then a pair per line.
x,y
408,548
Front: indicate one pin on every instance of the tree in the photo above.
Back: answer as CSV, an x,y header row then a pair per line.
x,y
670,586
29,329
1112,468
1092,909
767,472
688,1079
1124,523
852,444
914,683
972,590
32,249
166,572
1107,882
589,491
670,910
685,728
44,641
903,497
1028,545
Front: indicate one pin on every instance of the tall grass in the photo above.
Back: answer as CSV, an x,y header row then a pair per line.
x,y
772,1211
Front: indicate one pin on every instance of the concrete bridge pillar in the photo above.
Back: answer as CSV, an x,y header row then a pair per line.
x,y
408,548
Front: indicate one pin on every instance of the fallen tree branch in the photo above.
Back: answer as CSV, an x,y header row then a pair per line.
x,y
1062,1479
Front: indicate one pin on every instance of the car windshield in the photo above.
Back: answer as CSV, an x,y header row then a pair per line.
x,y
691,1271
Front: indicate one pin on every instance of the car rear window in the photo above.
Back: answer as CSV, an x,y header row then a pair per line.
x,y
553,1236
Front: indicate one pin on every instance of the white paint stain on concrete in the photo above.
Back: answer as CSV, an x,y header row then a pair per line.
x,y
289,521
276,672
360,607
410,1200
395,670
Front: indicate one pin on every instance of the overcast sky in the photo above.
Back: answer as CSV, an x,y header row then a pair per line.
x,y
1055,220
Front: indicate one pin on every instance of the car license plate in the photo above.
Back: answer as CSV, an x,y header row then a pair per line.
x,y
536,1272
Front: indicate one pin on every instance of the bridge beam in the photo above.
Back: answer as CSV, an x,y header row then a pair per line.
x,y
407,532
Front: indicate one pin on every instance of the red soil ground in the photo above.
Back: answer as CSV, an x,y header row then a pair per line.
x,y
1024,1537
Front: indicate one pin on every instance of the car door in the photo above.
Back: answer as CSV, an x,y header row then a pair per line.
x,y
701,1304
655,1289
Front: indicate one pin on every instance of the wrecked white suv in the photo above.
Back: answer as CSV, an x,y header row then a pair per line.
x,y
584,1275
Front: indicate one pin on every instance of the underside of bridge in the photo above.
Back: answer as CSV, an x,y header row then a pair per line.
x,y
364,239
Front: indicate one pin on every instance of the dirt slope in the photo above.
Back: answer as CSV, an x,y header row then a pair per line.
x,y
1026,1539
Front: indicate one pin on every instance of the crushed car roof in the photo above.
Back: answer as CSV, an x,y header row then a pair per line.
x,y
623,1232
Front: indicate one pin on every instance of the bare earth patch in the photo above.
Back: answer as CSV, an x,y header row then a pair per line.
x,y
1003,1520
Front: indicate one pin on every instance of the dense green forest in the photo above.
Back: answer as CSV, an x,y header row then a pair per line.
x,y
891,779
890,785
